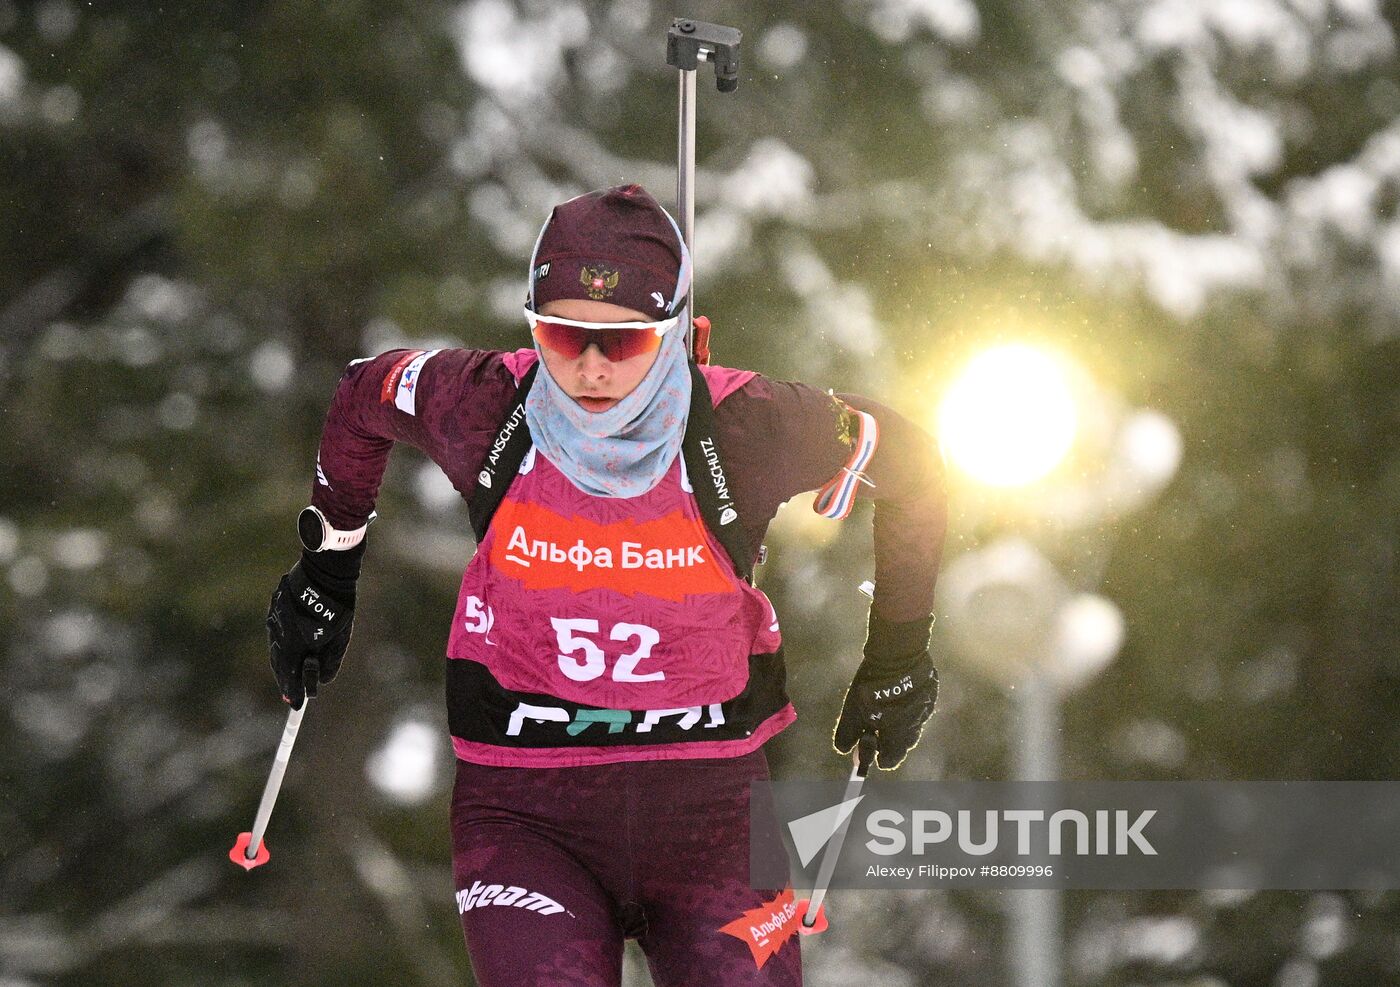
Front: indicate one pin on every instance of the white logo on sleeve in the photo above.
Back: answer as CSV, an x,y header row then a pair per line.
x,y
406,393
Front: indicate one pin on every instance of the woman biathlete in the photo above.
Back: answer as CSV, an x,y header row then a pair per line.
x,y
612,671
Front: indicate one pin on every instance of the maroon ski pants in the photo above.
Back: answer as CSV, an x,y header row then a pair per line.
x,y
556,867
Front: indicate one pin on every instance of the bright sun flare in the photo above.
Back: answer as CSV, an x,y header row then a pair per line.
x,y
1010,417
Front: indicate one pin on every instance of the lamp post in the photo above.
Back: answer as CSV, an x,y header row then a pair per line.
x,y
1007,422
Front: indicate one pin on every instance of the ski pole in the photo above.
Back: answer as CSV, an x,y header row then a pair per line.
x,y
814,917
688,43
813,914
249,850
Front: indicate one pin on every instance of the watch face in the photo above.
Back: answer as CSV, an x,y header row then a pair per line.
x,y
311,529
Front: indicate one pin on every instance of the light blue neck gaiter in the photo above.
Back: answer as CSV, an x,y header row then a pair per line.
x,y
626,450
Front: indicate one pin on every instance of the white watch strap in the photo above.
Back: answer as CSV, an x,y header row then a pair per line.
x,y
339,541
335,540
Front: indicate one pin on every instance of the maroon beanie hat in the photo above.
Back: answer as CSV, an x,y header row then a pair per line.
x,y
613,245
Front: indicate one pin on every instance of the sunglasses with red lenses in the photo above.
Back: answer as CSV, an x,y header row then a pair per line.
x,y
615,340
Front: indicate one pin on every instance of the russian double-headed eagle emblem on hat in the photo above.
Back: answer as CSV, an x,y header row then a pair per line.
x,y
599,282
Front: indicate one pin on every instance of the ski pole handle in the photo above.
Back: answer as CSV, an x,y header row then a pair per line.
x,y
865,754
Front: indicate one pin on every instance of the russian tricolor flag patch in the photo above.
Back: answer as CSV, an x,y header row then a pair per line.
x,y
838,496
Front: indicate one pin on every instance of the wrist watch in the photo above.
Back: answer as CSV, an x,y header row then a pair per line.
x,y
317,535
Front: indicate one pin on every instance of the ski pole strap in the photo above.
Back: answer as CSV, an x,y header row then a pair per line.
x,y
705,468
502,460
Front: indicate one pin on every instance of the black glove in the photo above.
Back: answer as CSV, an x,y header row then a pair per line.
x,y
309,619
893,692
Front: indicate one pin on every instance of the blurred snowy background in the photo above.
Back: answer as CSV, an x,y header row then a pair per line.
x,y
207,209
